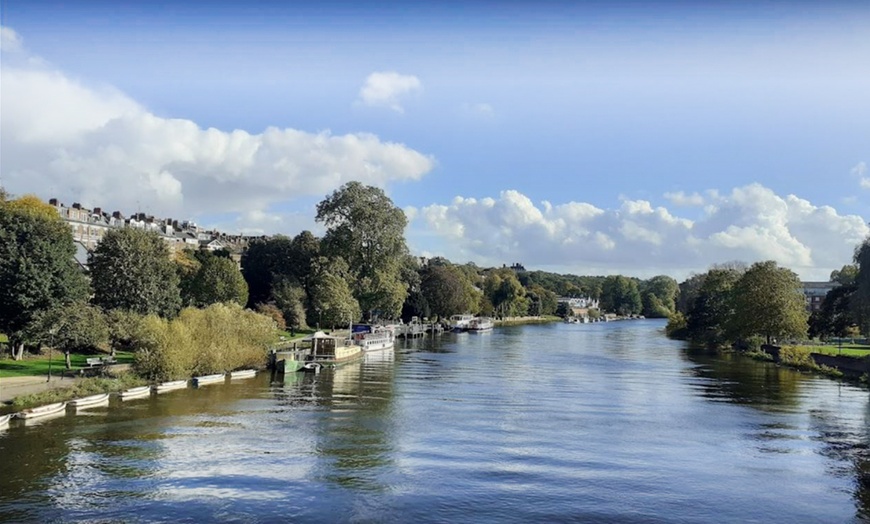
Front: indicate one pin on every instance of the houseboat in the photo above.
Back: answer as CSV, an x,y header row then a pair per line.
x,y
460,322
372,338
322,350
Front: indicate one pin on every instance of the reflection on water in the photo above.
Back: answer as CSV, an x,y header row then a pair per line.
x,y
581,422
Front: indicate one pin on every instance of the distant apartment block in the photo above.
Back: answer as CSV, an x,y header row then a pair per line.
x,y
814,293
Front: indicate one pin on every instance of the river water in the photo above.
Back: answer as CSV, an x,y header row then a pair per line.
x,y
551,423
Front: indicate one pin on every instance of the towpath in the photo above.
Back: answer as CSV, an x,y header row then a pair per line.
x,y
11,387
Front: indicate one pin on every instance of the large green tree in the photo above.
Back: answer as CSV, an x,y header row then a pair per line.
x,y
218,280
836,316
709,317
38,270
332,302
659,296
447,291
768,301
505,292
366,229
620,295
76,326
131,270
264,263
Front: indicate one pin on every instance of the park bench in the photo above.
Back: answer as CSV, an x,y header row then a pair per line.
x,y
94,362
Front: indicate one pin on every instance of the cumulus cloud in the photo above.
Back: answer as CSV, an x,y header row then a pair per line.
x,y
750,223
96,145
387,89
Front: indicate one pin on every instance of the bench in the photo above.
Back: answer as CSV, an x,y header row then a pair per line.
x,y
94,362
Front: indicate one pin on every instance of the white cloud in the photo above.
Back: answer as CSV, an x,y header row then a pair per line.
x,y
10,42
387,88
750,223
682,199
860,170
97,146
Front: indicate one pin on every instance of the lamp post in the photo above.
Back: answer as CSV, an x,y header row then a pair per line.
x,y
51,332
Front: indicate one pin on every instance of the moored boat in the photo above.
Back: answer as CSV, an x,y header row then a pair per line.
x,y
89,402
129,394
243,373
373,338
326,349
460,322
169,386
42,411
480,324
4,420
208,379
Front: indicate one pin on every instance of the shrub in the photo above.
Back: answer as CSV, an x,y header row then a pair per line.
x,y
797,357
271,311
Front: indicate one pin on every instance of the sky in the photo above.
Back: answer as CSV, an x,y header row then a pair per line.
x,y
635,138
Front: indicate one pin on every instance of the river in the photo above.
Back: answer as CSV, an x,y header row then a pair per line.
x,y
548,423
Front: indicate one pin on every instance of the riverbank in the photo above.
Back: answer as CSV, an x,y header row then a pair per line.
x,y
519,321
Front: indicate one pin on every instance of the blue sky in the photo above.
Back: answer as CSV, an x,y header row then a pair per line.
x,y
620,137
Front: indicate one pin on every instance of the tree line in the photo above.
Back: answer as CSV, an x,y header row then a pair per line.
x,y
734,303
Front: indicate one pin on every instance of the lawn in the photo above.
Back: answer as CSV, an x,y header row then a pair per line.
x,y
849,350
38,365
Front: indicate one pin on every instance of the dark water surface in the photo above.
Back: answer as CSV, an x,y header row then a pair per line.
x,y
553,423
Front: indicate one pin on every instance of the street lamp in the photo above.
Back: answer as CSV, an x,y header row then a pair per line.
x,y
51,332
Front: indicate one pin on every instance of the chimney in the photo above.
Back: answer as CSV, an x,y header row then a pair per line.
x,y
76,205
53,202
98,211
116,214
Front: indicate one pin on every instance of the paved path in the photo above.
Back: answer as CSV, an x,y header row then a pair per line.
x,y
11,387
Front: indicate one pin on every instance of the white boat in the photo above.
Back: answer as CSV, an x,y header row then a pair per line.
x,y
89,402
4,420
480,324
208,379
373,338
129,394
243,373
42,411
169,386
460,322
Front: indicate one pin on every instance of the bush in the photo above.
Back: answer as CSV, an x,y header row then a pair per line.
x,y
217,339
123,326
271,311
797,357
676,327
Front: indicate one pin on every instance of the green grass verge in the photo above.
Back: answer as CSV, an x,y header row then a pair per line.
x,y
83,388
849,350
38,364
4,339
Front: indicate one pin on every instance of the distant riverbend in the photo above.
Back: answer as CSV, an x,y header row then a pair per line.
x,y
607,422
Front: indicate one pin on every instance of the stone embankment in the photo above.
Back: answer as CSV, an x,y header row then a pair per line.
x,y
849,366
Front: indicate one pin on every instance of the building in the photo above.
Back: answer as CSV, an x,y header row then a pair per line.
x,y
815,292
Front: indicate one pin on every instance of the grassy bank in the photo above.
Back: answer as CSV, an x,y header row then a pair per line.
x,y
38,364
82,388
848,350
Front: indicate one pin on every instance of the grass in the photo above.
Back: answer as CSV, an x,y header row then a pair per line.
x,y
849,350
38,364
83,388
4,339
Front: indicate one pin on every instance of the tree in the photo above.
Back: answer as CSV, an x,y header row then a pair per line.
x,y
861,296
659,296
621,295
131,270
75,326
836,315
846,276
332,302
504,291
218,280
263,263
38,270
366,229
290,298
768,301
709,317
446,290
